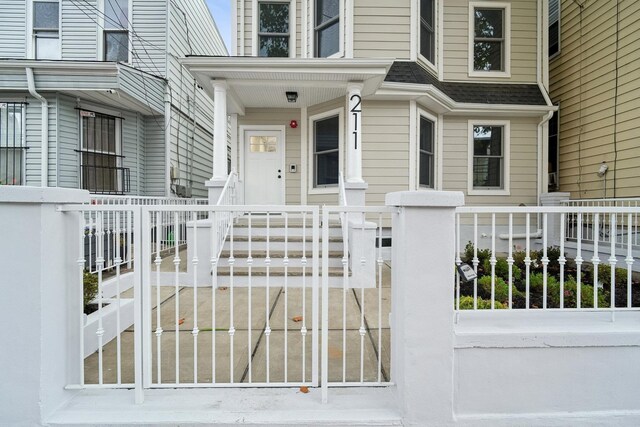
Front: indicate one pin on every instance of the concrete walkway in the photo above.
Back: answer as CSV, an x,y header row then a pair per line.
x,y
353,357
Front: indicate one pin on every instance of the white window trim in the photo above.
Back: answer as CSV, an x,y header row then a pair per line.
x,y
436,145
415,37
31,38
311,151
345,6
555,55
292,25
101,30
507,39
506,153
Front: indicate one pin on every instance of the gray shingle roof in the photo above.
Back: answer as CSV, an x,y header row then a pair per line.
x,y
474,93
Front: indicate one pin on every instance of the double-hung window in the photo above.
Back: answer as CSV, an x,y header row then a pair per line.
x,y
326,151
427,30
116,30
273,29
427,145
12,143
489,149
327,28
489,38
554,27
100,154
46,29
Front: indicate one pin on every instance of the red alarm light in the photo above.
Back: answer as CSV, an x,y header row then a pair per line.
x,y
293,124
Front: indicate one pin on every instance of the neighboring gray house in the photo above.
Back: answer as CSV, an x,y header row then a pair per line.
x,y
94,91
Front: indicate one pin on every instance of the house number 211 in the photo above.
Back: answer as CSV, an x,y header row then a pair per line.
x,y
355,101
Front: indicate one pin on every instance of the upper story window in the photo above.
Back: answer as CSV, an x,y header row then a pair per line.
x,y
427,30
489,157
273,29
116,30
554,27
327,28
427,139
46,29
489,38
12,143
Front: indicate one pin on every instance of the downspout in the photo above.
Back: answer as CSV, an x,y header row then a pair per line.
x,y
44,162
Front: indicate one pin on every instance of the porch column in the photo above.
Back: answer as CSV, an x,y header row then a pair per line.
x,y
354,138
220,171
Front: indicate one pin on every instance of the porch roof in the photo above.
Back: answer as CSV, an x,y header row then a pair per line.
x,y
262,82
113,84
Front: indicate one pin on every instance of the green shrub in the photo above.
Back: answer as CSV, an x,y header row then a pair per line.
x,y
502,269
501,290
483,256
466,303
536,282
570,294
90,282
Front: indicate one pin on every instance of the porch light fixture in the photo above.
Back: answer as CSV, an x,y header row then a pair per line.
x,y
292,96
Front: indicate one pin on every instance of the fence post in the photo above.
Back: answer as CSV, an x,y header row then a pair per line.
x,y
422,309
41,291
553,220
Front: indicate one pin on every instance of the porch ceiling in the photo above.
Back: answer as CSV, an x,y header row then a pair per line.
x,y
262,82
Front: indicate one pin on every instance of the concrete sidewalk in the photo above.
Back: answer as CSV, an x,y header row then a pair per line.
x,y
352,356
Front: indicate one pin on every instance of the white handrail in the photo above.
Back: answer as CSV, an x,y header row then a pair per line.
x,y
223,219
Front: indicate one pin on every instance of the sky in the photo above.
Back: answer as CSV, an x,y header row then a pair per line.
x,y
221,11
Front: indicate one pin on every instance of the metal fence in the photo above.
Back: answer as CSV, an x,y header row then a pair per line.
x,y
523,260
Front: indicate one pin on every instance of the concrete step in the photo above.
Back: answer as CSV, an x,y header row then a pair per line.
x,y
277,258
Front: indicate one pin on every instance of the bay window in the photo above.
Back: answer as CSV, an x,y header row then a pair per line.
x,y
489,157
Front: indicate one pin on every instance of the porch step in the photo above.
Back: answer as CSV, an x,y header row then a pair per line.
x,y
275,272
261,254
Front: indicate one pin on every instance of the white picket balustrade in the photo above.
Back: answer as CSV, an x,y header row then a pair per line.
x,y
603,233
525,258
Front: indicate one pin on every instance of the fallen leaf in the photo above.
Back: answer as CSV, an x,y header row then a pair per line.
x,y
222,288
181,321
304,389
297,319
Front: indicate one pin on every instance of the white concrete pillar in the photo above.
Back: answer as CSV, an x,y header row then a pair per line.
x,y
41,300
554,220
220,171
354,136
422,314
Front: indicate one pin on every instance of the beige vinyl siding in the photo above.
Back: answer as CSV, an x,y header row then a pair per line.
x,y
523,41
385,148
523,161
583,82
382,29
293,154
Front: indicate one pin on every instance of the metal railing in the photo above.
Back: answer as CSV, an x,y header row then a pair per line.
x,y
222,220
362,292
523,261
604,233
167,232
249,317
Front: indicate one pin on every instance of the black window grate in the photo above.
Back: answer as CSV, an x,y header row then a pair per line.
x,y
12,143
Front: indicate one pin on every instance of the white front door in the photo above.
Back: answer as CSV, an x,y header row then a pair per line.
x,y
263,167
